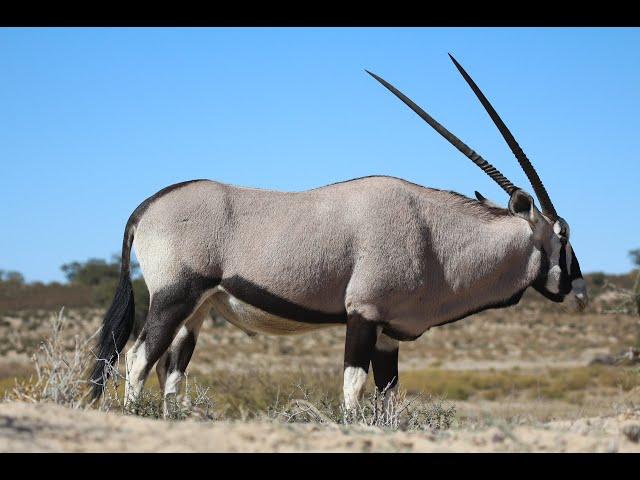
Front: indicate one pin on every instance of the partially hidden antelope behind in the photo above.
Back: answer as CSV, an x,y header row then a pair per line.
x,y
385,257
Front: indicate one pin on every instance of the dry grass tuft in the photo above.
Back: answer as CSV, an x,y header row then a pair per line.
x,y
61,378
386,410
59,371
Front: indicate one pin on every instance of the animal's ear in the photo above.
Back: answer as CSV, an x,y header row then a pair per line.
x,y
482,199
521,205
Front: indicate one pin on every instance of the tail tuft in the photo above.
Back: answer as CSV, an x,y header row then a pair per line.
x,y
117,324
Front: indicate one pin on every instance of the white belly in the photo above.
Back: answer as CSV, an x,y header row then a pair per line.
x,y
253,320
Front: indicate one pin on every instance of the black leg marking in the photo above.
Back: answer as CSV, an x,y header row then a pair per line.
x,y
359,342
169,308
162,326
385,368
180,356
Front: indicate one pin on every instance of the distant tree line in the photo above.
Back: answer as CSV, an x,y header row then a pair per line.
x,y
91,283
11,276
102,278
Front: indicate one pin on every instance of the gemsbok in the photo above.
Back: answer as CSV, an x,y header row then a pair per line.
x,y
386,257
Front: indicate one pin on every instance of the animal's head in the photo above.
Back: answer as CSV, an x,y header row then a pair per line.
x,y
559,276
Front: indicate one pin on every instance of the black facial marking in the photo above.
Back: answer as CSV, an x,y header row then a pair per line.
x,y
562,261
385,368
564,285
575,267
359,342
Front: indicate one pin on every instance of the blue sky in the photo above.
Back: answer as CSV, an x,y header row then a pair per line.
x,y
93,121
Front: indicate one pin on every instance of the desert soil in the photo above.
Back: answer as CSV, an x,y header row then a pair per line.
x,y
583,415
52,428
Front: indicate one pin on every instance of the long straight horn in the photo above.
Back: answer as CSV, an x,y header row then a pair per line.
x,y
532,175
486,167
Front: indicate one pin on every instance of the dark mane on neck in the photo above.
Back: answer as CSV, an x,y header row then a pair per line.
x,y
480,206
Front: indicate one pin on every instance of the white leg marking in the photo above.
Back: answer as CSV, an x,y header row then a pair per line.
x,y
136,363
355,379
174,383
173,389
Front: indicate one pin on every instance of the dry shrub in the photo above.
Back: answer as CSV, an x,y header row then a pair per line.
x,y
61,378
397,413
59,370
626,301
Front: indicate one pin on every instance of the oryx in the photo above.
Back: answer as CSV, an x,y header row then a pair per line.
x,y
385,257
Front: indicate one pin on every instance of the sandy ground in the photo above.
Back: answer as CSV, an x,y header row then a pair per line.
x,y
532,339
51,428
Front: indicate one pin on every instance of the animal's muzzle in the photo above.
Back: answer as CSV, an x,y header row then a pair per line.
x,y
579,294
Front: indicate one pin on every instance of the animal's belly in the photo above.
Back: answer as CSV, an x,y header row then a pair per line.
x,y
254,320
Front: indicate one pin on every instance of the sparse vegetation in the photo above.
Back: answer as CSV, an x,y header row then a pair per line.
x,y
497,370
59,371
61,378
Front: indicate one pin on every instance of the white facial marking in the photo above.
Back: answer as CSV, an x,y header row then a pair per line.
x,y
355,379
555,272
553,279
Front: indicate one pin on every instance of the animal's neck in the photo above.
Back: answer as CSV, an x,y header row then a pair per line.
x,y
485,263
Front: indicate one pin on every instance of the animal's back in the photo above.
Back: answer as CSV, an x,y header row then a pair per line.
x,y
222,231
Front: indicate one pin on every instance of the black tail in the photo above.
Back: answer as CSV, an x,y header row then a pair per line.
x,y
118,321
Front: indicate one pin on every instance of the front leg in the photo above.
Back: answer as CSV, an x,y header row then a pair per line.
x,y
359,346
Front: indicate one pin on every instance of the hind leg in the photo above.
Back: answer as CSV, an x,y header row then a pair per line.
x,y
360,341
385,368
172,365
169,310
